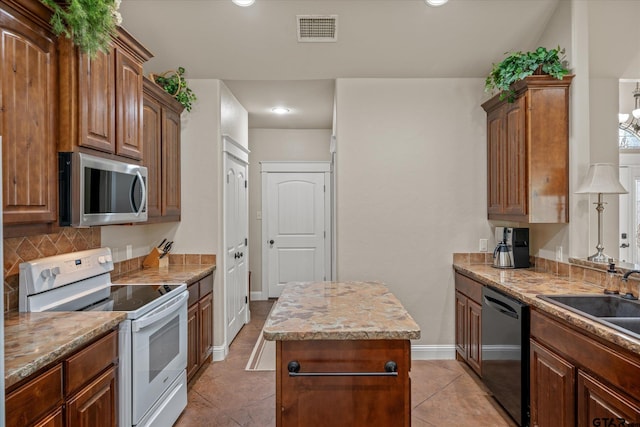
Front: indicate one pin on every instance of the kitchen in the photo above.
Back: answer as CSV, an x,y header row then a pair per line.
x,y
423,109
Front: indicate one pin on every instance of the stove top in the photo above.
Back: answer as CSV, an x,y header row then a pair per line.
x,y
134,297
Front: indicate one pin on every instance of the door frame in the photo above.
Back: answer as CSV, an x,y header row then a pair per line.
x,y
232,148
324,167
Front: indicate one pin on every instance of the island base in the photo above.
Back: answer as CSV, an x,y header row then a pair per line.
x,y
343,383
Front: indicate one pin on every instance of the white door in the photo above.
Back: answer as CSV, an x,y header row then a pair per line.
x,y
296,217
629,224
236,217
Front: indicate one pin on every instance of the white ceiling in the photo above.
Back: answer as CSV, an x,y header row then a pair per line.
x,y
256,52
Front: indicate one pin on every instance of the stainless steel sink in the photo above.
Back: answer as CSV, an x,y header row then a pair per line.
x,y
610,310
597,305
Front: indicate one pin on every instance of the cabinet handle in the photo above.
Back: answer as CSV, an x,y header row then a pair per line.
x,y
390,370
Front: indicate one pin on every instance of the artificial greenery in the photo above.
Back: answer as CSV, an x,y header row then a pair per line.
x,y
89,23
516,66
174,83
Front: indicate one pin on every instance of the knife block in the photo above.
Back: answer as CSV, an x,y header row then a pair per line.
x,y
154,260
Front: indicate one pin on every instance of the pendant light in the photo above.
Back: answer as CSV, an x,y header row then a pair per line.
x,y
243,3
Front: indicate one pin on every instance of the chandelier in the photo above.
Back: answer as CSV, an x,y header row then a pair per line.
x,y
631,122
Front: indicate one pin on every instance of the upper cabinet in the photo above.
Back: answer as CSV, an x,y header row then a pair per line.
x,y
528,152
29,97
101,98
161,144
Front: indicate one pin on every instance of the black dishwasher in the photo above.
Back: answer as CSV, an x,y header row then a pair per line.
x,y
505,352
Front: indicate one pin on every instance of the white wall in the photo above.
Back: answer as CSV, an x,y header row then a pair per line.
x,y
411,189
276,145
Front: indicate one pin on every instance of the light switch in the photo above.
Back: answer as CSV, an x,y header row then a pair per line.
x,y
484,245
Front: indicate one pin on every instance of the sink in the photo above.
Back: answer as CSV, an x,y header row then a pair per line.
x,y
609,310
597,305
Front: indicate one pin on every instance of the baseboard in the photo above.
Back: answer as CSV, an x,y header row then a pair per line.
x,y
220,352
433,352
258,296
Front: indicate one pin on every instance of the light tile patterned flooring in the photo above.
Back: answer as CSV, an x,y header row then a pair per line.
x,y
443,392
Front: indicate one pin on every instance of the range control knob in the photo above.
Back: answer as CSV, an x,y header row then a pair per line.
x,y
55,271
101,259
108,258
46,273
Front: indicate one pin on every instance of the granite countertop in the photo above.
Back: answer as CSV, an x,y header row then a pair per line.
x,y
526,284
35,340
339,311
183,273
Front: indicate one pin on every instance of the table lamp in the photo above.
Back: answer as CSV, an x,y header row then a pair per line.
x,y
602,178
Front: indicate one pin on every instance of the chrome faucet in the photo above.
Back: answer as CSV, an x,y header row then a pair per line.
x,y
625,279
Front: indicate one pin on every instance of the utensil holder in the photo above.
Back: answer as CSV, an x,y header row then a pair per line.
x,y
154,260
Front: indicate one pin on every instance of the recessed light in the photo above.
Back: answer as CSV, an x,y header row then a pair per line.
x,y
435,3
243,3
280,110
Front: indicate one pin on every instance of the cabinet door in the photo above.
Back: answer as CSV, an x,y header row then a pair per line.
x,y
192,341
152,131
97,98
552,389
94,405
461,325
28,92
170,163
206,326
599,405
515,192
54,420
129,101
474,337
495,151
38,397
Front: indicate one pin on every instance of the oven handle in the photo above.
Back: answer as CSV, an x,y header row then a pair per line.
x,y
169,309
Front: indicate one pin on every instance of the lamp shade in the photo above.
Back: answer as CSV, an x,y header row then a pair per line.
x,y
601,178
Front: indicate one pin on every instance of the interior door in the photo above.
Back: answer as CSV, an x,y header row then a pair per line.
x,y
236,217
297,226
629,214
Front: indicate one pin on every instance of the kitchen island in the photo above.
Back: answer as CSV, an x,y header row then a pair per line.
x,y
343,355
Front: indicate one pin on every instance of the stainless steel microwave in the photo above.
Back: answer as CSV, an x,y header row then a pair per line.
x,y
98,191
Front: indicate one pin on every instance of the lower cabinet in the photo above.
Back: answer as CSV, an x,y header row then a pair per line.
x,y
576,380
79,391
350,399
199,325
469,321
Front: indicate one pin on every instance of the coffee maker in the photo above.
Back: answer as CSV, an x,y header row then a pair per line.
x,y
512,248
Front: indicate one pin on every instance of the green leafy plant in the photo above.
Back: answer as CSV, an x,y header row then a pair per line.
x,y
518,65
174,83
89,23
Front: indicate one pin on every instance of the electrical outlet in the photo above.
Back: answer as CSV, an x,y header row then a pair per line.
x,y
558,253
129,251
484,245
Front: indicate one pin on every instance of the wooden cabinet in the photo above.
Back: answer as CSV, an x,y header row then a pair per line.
x,y
577,380
528,152
101,98
347,400
199,325
162,126
29,94
469,321
79,391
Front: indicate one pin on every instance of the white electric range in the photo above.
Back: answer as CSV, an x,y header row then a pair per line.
x,y
152,340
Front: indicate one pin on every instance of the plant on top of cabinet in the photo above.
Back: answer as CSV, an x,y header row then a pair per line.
x,y
518,65
174,83
89,23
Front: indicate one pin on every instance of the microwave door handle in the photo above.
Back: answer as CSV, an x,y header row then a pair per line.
x,y
168,310
144,194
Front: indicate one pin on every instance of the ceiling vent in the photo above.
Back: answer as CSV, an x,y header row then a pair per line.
x,y
317,28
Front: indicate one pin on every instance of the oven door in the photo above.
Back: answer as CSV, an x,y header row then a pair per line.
x,y
159,352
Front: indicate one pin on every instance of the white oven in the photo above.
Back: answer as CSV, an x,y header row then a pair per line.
x,y
159,343
152,340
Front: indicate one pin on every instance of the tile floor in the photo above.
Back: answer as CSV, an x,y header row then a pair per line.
x,y
443,392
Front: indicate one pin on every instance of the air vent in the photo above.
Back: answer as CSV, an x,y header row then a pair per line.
x,y
317,28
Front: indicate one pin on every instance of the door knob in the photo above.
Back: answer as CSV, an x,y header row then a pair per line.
x,y
624,245
271,242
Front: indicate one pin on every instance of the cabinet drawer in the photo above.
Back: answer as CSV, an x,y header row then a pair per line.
x,y
33,400
194,293
469,287
83,366
206,285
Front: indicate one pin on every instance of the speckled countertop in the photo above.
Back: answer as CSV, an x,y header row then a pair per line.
x,y
526,284
339,311
35,340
